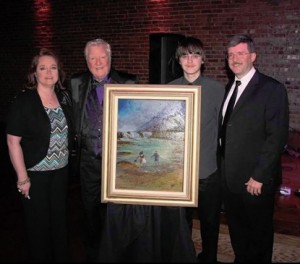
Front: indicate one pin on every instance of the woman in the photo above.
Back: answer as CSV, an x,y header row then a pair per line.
x,y
39,139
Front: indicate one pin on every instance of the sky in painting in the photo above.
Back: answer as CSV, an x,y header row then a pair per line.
x,y
132,113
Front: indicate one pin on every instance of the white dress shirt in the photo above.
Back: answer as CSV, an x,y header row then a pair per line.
x,y
244,82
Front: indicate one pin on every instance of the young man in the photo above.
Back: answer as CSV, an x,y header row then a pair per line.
x,y
252,140
191,57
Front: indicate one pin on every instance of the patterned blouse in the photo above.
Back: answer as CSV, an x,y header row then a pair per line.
x,y
58,153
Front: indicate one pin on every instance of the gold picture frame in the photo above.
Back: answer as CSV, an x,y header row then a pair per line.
x,y
151,144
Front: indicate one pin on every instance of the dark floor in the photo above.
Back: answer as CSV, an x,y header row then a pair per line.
x,y
287,208
12,242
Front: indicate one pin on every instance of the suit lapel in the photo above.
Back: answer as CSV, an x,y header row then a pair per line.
x,y
83,88
80,89
250,88
227,89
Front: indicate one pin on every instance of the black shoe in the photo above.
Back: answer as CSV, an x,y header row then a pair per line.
x,y
203,258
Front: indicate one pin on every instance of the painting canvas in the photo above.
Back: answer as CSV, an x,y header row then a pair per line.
x,y
151,144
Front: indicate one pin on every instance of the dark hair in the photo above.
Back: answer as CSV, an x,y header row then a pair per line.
x,y
190,45
31,79
237,39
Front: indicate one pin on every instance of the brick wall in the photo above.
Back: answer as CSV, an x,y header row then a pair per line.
x,y
66,26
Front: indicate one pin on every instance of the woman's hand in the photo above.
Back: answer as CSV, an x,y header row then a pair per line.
x,y
17,160
24,187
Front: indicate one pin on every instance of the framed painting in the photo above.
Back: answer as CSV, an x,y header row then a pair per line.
x,y
151,144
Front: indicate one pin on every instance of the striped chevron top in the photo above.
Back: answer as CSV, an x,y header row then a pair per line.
x,y
58,153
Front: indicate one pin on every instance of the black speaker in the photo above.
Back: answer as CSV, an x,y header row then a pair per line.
x,y
163,66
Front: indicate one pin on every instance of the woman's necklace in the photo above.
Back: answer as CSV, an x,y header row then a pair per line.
x,y
52,102
49,101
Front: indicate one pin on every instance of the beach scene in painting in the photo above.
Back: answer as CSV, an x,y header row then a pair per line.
x,y
150,145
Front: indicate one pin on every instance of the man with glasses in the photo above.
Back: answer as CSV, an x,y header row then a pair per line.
x,y
253,130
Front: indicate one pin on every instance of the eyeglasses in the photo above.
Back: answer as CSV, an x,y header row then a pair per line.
x,y
193,56
238,55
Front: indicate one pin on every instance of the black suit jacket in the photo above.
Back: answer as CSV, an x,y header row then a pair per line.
x,y
256,134
80,85
27,118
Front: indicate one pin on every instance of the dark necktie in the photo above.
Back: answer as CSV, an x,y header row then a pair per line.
x,y
228,112
94,101
94,118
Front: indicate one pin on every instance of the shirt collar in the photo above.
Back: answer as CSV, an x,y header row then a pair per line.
x,y
246,79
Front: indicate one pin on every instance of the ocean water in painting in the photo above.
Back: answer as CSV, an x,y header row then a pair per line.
x,y
170,152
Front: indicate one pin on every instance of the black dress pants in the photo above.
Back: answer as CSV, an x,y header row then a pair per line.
x,y
94,210
45,216
250,223
209,208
